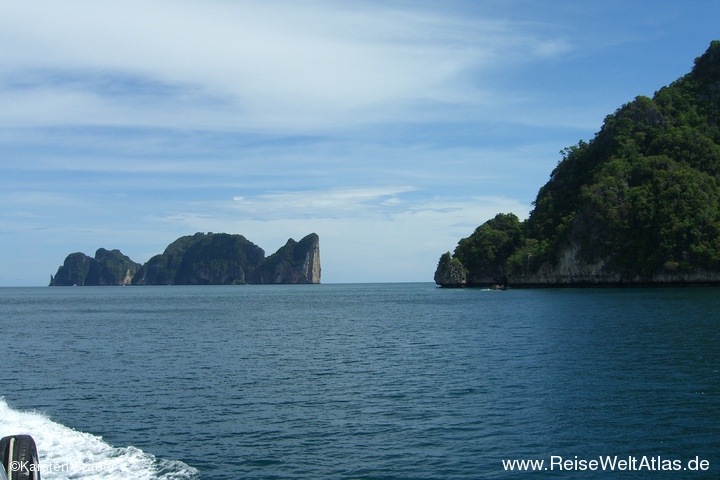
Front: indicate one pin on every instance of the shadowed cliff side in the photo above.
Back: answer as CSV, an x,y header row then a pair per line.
x,y
296,262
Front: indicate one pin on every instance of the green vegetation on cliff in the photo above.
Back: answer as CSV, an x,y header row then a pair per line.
x,y
202,259
639,202
485,253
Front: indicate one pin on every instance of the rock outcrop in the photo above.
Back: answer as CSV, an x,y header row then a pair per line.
x,y
109,267
200,259
450,272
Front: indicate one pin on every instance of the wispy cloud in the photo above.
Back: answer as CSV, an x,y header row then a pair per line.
x,y
251,65
335,203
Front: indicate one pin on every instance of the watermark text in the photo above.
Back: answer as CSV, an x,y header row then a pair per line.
x,y
609,463
27,467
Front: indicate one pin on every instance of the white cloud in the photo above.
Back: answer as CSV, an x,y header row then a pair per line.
x,y
247,65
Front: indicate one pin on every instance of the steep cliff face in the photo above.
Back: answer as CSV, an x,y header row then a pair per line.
x,y
296,262
572,269
109,267
308,249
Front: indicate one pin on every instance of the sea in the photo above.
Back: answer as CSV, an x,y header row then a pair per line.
x,y
363,381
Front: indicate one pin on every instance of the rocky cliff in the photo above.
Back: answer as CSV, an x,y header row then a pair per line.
x,y
296,262
109,267
572,270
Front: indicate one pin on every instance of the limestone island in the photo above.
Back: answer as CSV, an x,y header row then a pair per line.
x,y
637,205
200,259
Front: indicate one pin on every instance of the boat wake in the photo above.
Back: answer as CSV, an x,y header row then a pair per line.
x,y
66,453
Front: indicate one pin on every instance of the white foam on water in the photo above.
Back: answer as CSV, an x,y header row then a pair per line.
x,y
68,454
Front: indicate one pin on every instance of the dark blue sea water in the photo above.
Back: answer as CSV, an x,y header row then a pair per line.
x,y
372,381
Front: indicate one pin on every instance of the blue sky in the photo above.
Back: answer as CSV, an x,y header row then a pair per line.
x,y
390,128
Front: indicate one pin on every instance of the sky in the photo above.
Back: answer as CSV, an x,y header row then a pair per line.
x,y
392,129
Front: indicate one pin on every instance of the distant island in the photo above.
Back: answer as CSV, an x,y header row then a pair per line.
x,y
637,205
200,259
